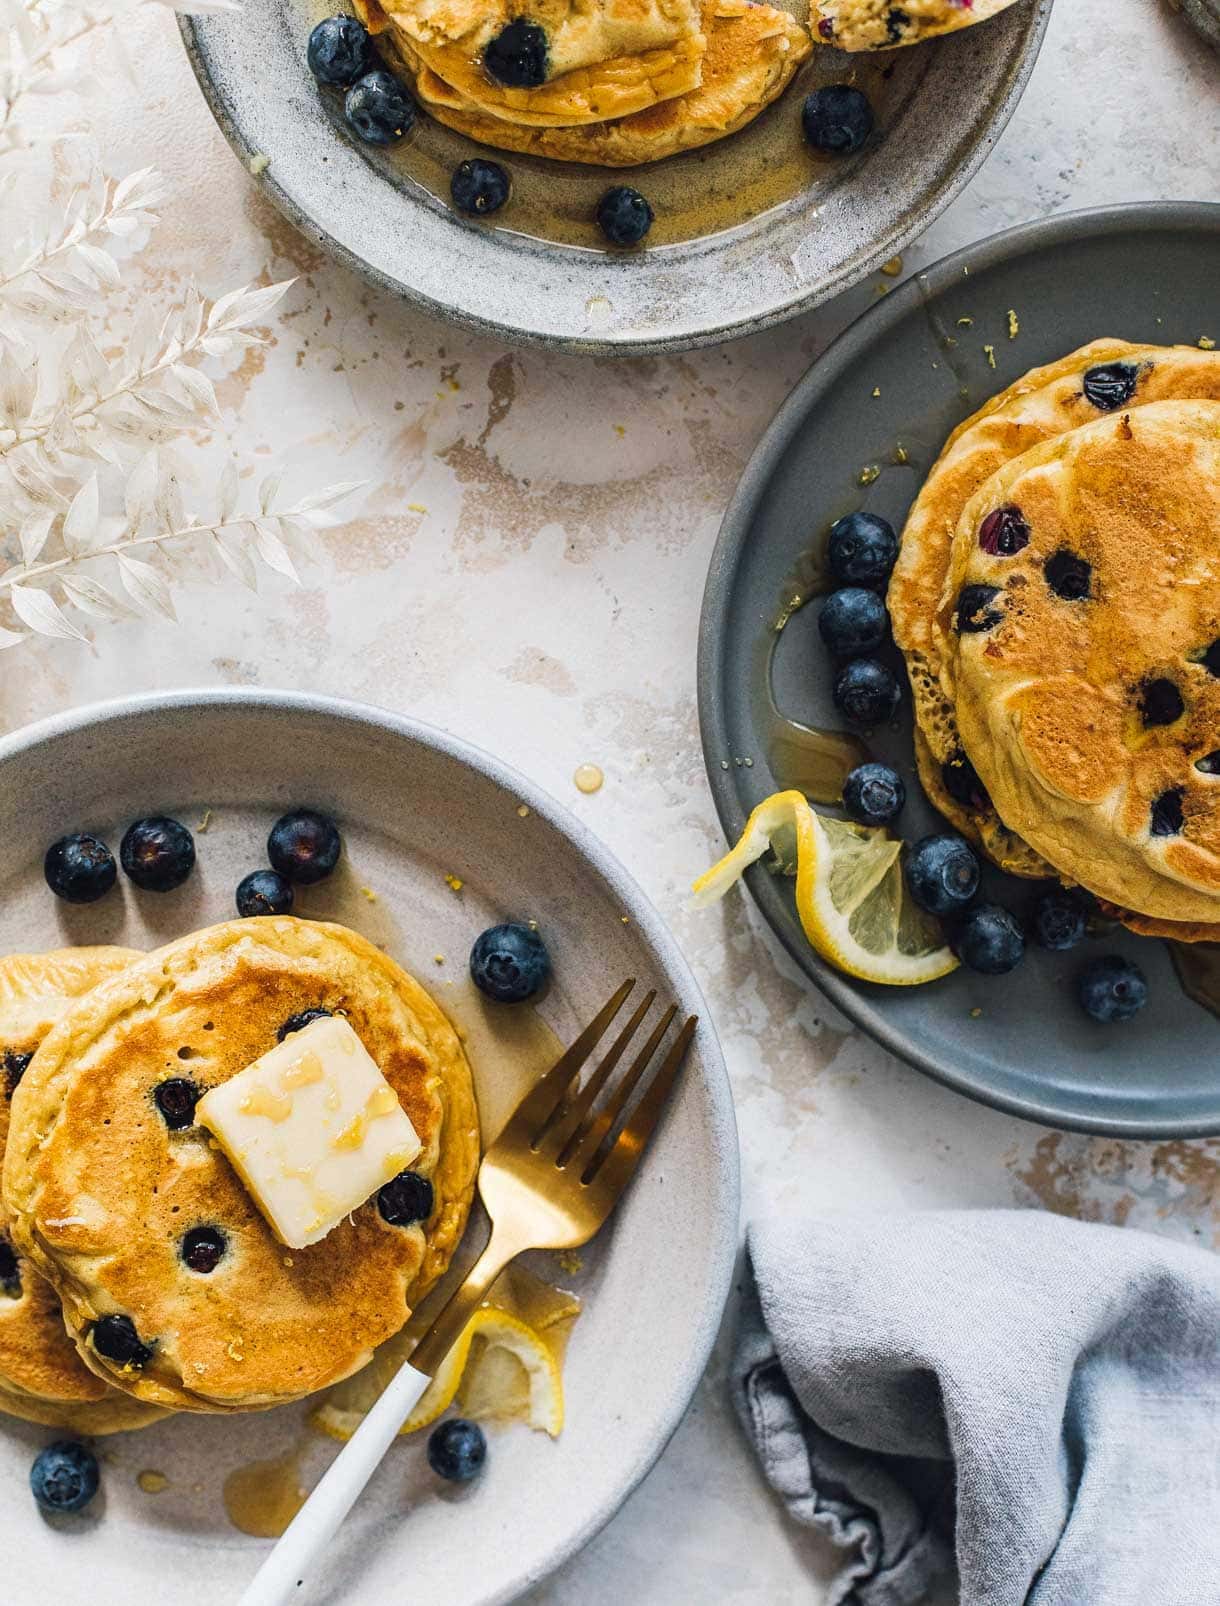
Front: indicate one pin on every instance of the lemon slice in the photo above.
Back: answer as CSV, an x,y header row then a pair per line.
x,y
512,1374
850,892
501,1369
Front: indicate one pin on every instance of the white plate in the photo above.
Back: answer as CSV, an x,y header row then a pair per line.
x,y
414,806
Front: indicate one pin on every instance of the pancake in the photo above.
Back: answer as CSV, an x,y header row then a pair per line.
x,y
1046,402
880,25
605,58
42,1378
102,1191
1083,658
752,53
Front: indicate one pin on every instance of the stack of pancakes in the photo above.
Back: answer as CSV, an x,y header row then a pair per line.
x,y
100,1187
627,81
1057,598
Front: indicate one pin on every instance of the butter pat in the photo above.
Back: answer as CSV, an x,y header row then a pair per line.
x,y
312,1128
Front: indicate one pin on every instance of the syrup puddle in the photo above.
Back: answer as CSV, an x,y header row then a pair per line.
x,y
1198,968
814,760
263,1497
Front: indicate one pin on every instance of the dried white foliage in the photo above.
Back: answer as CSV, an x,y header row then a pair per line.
x,y
36,40
90,396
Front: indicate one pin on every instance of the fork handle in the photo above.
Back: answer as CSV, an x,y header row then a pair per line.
x,y
289,1566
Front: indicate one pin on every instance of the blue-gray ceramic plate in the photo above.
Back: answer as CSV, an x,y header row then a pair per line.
x,y
903,376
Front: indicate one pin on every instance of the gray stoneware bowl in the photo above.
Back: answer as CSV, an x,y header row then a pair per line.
x,y
415,805
905,374
941,108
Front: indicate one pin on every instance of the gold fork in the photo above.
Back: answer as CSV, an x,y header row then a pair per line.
x,y
549,1181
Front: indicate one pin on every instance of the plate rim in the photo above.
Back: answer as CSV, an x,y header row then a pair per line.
x,y
825,370
725,1229
851,273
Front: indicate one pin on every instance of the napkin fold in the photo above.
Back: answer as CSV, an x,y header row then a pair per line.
x,y
1035,1398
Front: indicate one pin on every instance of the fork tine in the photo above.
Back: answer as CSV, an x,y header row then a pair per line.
x,y
538,1108
571,1120
612,1167
584,1143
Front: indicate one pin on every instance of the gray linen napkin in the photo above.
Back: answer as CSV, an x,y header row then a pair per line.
x,y
1062,1378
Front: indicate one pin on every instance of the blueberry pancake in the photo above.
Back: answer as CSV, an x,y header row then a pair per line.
x,y
173,1285
753,50
881,25
42,1378
1082,654
1047,402
558,67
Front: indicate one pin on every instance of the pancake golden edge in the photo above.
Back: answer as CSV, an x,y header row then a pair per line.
x,y
605,60
855,25
1048,698
296,1321
42,1378
1046,401
753,51
748,55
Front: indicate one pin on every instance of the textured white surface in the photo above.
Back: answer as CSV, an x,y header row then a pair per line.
x,y
527,572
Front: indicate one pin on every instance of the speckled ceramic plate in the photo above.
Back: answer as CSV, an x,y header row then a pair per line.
x,y
415,805
748,232
903,376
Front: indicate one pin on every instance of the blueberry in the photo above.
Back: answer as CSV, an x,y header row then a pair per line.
x,y
157,853
79,868
861,550
64,1476
264,892
873,794
989,939
1160,702
304,846
1165,817
517,56
1210,658
116,1338
15,1065
10,1270
1111,384
339,50
961,780
176,1099
623,215
203,1248
942,873
1059,920
457,1450
378,108
479,187
837,119
866,693
974,612
1209,764
405,1199
295,1023
1068,576
509,963
853,622
1004,532
1112,989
